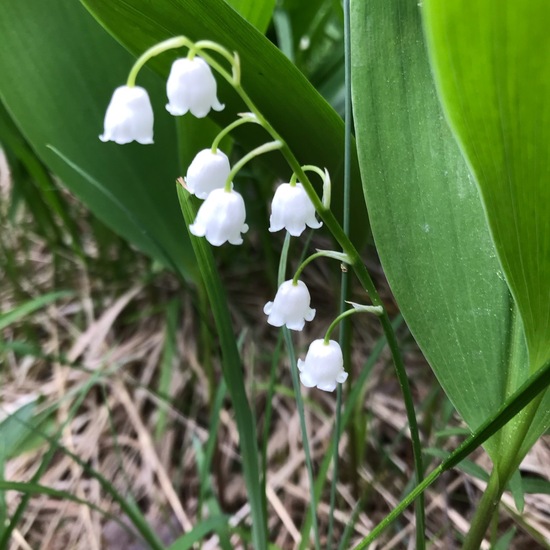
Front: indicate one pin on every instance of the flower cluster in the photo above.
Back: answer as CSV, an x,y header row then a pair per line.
x,y
191,87
221,218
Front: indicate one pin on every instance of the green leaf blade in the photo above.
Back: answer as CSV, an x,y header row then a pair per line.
x,y
256,12
491,61
57,93
427,218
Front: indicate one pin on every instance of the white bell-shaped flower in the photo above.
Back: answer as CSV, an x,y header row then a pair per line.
x,y
221,218
129,116
323,367
292,210
191,87
290,306
207,172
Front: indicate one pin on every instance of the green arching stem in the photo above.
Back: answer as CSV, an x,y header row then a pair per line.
x,y
194,48
319,254
234,60
239,122
293,180
161,47
316,169
265,148
327,191
332,325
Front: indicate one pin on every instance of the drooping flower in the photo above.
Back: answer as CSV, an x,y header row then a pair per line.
x,y
129,116
191,87
292,210
207,172
221,218
290,306
323,367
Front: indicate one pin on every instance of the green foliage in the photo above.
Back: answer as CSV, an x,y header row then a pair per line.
x,y
232,371
429,224
59,99
491,61
256,12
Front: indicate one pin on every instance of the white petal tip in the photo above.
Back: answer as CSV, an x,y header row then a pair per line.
x,y
310,315
342,377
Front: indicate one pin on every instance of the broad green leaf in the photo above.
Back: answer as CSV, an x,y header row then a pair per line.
x,y
428,221
312,129
256,12
491,61
58,70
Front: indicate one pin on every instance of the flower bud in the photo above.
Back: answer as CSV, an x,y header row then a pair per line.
x,y
191,87
290,307
323,367
207,172
292,210
129,116
221,218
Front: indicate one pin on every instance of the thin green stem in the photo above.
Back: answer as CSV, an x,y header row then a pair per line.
x,y
298,397
340,317
265,148
528,392
485,511
316,169
305,439
335,454
194,49
319,254
361,273
244,119
501,474
157,49
234,60
344,280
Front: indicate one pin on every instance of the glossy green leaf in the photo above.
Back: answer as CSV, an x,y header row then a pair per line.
x,y
256,12
428,221
313,130
59,69
491,60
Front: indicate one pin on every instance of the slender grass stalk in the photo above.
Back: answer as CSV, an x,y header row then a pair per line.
x,y
348,409
232,372
268,414
344,338
299,400
305,439
501,474
524,395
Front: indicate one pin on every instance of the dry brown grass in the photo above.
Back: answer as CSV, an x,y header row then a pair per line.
x,y
120,332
